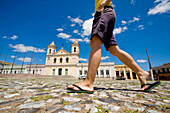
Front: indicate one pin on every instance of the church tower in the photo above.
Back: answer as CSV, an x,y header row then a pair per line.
x,y
51,49
75,47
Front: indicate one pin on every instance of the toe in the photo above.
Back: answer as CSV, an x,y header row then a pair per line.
x,y
145,87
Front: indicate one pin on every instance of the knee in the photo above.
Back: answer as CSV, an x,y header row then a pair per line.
x,y
95,42
113,50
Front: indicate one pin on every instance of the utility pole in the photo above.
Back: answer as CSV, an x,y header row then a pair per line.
x,y
14,59
31,60
151,72
23,60
4,60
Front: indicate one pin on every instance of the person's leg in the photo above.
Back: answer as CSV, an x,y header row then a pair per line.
x,y
128,60
93,64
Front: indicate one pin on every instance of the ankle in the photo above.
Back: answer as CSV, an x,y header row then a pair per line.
x,y
88,83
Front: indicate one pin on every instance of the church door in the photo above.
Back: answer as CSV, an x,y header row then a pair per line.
x,y
60,71
66,71
53,71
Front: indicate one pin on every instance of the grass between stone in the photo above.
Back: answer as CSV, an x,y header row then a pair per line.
x,y
38,98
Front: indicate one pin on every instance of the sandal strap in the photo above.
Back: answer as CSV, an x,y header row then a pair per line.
x,y
145,84
78,87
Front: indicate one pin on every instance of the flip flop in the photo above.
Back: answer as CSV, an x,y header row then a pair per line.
x,y
79,91
151,86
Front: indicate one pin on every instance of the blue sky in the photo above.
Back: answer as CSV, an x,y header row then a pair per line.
x,y
140,25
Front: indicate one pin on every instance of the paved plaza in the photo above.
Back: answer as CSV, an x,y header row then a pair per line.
x,y
47,94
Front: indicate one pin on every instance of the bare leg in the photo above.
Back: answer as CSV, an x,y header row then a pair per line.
x,y
93,64
128,60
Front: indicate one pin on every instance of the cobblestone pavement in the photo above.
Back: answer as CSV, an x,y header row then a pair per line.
x,y
20,94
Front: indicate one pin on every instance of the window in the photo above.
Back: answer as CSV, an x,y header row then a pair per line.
x,y
48,58
80,72
67,60
74,49
107,73
128,74
85,72
102,73
122,74
97,75
55,60
117,73
61,60
49,50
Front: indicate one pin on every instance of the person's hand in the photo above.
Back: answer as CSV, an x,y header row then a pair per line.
x,y
100,8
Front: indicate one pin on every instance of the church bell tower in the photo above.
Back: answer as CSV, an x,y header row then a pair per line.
x,y
75,47
51,49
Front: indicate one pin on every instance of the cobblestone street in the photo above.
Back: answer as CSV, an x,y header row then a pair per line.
x,y
27,94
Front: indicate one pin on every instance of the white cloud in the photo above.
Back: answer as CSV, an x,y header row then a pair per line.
x,y
27,59
141,27
14,37
119,30
82,59
59,29
72,25
13,56
133,2
141,61
23,48
76,20
87,27
80,40
4,37
86,40
104,58
162,7
63,35
75,31
123,22
135,19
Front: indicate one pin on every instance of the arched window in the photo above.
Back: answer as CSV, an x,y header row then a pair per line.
x,y
49,50
55,60
74,49
61,60
67,60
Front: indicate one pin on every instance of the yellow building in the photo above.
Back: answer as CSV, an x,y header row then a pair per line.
x,y
124,71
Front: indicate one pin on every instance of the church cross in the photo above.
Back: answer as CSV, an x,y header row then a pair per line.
x,y
62,44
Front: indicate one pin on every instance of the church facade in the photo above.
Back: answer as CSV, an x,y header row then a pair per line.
x,y
62,62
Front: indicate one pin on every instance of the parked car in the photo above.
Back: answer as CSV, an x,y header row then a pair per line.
x,y
120,78
82,77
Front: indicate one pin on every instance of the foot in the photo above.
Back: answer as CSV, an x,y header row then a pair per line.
x,y
84,85
142,78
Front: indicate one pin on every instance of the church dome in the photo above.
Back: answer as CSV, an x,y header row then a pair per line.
x,y
75,42
52,44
